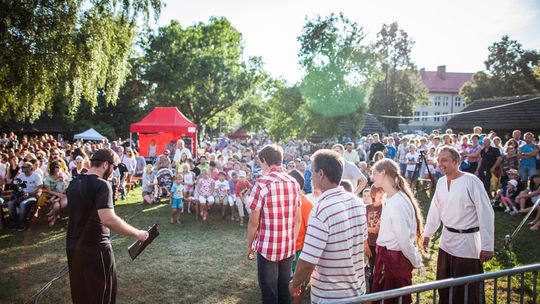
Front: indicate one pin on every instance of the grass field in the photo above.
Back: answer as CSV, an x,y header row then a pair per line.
x,y
189,263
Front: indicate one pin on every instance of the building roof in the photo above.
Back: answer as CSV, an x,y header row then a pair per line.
x,y
441,81
521,115
373,125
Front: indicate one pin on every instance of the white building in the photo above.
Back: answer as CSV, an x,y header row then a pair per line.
x,y
444,96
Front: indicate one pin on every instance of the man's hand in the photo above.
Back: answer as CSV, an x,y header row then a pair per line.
x,y
485,255
367,251
142,235
294,291
425,244
250,253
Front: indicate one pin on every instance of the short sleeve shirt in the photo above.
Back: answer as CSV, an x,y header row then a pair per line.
x,y
86,195
278,197
334,242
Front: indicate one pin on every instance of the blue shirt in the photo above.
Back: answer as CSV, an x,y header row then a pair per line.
x,y
391,152
307,181
177,190
528,162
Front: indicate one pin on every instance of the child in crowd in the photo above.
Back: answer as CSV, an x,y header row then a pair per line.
x,y
205,191
412,160
189,181
346,185
242,190
373,212
149,185
232,186
223,193
214,172
176,199
508,194
366,196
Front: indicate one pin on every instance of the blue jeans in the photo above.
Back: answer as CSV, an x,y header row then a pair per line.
x,y
274,279
24,208
402,169
525,172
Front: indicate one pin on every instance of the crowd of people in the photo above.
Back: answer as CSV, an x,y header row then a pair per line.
x,y
319,209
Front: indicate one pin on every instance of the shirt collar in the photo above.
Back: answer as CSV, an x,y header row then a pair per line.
x,y
275,169
329,192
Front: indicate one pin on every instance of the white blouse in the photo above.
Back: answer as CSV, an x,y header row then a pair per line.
x,y
398,227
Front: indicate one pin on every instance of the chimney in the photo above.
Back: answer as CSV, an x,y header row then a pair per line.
x,y
441,72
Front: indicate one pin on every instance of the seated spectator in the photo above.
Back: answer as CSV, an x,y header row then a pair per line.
x,y
79,168
528,196
205,189
140,164
149,185
507,194
24,200
163,160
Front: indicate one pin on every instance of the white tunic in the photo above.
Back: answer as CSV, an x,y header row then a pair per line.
x,y
464,205
398,227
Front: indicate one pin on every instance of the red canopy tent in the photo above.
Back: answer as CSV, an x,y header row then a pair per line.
x,y
239,134
164,124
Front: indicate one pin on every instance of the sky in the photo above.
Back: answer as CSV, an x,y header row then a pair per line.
x,y
454,33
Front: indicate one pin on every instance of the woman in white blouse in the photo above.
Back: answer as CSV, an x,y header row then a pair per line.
x,y
400,231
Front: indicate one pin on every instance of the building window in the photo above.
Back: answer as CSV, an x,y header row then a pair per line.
x,y
423,116
437,98
445,103
416,116
437,103
458,103
445,98
445,118
437,118
457,98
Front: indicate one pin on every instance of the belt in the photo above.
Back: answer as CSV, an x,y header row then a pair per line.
x,y
470,230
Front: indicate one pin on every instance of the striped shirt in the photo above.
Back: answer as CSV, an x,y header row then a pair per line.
x,y
277,195
334,242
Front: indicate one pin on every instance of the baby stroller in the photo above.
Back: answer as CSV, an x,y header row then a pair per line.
x,y
165,179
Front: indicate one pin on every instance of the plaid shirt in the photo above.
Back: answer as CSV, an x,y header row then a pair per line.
x,y
278,196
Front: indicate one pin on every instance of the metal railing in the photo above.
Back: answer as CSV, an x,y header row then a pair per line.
x,y
508,239
462,281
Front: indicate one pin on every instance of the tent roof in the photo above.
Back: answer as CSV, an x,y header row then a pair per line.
x,y
240,133
164,119
89,134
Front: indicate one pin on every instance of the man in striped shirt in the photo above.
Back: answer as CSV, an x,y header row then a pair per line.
x,y
333,252
274,220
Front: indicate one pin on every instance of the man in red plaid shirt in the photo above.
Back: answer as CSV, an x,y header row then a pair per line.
x,y
274,199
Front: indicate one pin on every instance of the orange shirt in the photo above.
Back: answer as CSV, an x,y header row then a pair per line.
x,y
305,209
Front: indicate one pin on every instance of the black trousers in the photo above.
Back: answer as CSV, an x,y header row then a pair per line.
x,y
92,274
449,266
485,177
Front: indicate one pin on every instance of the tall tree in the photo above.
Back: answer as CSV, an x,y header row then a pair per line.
x,y
288,113
510,70
338,72
200,68
65,51
400,87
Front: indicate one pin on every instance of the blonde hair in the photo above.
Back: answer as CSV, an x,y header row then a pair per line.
x,y
392,169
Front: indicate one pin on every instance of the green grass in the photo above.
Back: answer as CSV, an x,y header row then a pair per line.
x,y
189,263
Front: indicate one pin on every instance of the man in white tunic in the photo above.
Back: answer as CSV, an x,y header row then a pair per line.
x,y
462,206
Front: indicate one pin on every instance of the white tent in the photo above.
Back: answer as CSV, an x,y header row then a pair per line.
x,y
89,134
